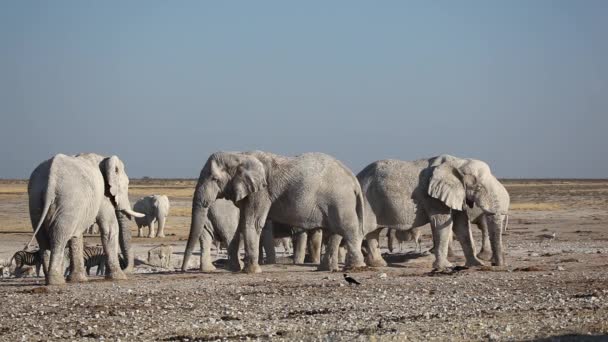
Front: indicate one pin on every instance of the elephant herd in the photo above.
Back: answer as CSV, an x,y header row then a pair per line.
x,y
238,192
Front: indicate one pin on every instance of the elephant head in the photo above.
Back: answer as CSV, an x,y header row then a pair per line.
x,y
229,175
117,187
468,182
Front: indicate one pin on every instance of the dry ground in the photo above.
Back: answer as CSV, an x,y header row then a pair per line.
x,y
549,290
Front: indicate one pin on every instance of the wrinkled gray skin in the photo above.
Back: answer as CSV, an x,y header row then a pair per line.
x,y
156,208
66,196
124,238
310,191
302,240
220,225
404,195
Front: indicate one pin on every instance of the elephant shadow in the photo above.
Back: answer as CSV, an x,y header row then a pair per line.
x,y
398,259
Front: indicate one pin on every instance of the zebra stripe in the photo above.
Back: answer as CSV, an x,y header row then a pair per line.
x,y
94,256
23,258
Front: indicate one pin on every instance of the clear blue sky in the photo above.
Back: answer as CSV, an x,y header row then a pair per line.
x,y
162,84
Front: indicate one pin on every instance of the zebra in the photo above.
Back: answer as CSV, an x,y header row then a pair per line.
x,y
23,258
96,256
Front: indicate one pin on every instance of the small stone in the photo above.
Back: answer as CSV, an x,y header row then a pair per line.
x,y
383,275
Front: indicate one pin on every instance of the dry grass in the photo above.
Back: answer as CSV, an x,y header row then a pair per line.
x,y
13,189
531,206
180,211
171,191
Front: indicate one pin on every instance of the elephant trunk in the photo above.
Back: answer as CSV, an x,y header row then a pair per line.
x,y
124,239
495,226
199,215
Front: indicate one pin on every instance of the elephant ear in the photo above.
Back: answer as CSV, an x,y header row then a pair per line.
x,y
111,170
446,185
249,178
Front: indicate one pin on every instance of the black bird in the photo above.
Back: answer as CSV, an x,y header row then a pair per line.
x,y
351,280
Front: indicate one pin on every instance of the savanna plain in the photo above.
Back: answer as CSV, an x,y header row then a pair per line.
x,y
550,290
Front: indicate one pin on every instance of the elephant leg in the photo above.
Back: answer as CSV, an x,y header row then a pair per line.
x,y
392,240
441,227
77,273
160,231
140,230
495,226
267,245
299,250
374,258
315,239
54,276
451,253
329,261
354,257
341,254
108,226
462,229
486,249
251,222
205,240
151,229
234,262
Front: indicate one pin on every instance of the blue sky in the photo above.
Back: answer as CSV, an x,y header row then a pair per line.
x,y
522,85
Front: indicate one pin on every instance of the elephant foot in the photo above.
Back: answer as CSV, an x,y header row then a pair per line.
x,y
55,280
355,265
235,267
150,236
484,255
128,270
378,262
160,235
119,275
252,268
77,278
442,266
499,262
207,267
270,261
473,263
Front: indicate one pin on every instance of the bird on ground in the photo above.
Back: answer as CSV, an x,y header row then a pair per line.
x,y
351,280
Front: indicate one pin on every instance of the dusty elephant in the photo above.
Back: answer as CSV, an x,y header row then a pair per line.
x,y
404,195
66,196
310,191
156,209
220,224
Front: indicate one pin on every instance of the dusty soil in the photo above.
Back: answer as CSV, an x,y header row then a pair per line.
x,y
550,289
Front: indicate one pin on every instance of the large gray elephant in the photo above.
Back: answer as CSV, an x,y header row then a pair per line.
x,y
156,209
220,225
310,191
407,194
67,194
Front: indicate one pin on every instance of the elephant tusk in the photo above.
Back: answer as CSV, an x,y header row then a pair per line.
x,y
133,213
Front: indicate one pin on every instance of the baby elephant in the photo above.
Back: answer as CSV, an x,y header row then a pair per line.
x,y
156,208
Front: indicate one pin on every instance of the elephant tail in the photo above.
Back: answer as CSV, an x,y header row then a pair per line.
x,y
506,223
360,211
45,211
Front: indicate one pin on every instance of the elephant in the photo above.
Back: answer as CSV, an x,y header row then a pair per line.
x,y
408,194
302,240
67,194
309,191
220,225
156,208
